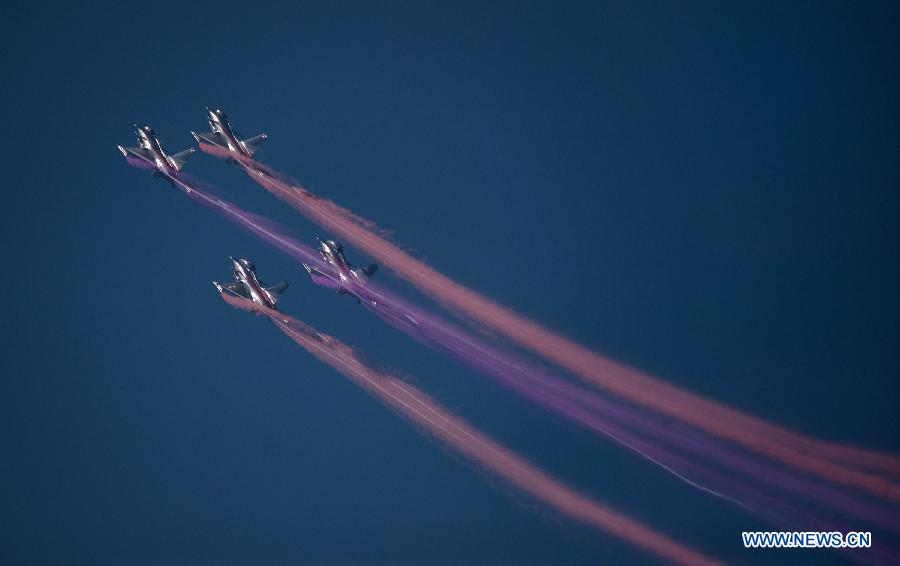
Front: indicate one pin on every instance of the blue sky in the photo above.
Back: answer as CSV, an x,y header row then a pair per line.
x,y
708,193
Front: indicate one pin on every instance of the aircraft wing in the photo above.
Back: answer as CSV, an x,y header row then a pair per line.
x,y
138,152
179,158
233,288
275,291
252,144
365,272
210,138
321,279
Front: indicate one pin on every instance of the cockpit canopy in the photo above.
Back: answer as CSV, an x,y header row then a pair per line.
x,y
335,246
247,264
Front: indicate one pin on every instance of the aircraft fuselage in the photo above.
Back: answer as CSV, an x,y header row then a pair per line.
x,y
150,142
247,278
218,123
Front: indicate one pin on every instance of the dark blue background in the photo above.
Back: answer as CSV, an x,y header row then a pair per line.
x,y
707,193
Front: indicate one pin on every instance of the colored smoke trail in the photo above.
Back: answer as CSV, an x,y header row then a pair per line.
x,y
697,458
847,465
439,423
756,486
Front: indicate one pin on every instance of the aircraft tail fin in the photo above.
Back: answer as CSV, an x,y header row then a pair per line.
x,y
179,159
252,144
209,138
275,291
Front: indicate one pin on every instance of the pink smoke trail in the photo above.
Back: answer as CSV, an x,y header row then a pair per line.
x,y
439,423
824,459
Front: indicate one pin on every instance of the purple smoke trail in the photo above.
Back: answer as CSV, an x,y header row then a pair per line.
x,y
139,163
606,416
587,408
851,466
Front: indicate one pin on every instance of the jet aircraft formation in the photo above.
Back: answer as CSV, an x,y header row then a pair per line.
x,y
335,272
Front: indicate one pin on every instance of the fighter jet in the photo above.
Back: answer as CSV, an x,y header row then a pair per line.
x,y
222,135
340,274
149,151
247,285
